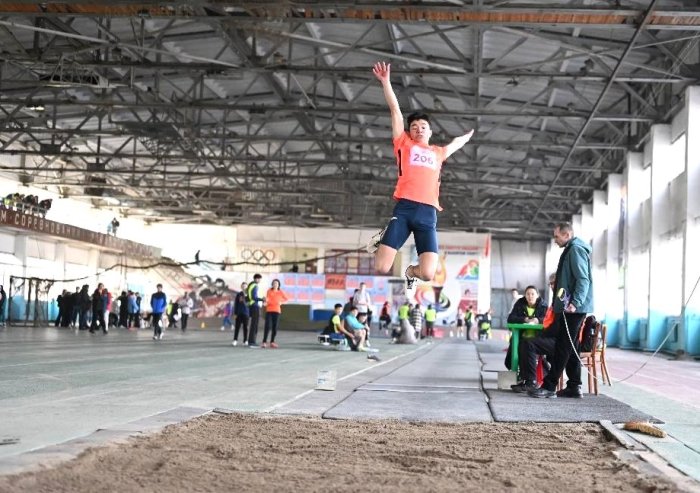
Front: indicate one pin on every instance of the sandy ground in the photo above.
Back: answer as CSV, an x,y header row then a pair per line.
x,y
292,454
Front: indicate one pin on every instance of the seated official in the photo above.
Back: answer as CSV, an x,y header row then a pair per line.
x,y
543,344
529,309
355,329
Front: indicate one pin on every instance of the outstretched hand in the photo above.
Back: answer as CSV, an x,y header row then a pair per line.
x,y
382,71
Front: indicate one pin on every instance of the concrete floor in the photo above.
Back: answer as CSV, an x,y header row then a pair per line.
x,y
57,385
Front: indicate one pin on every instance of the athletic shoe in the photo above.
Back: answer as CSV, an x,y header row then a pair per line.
x,y
155,338
223,328
264,345
410,281
363,349
234,343
274,345
160,336
245,343
373,243
253,346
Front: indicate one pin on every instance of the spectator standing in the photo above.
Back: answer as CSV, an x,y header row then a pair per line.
x,y
3,300
158,304
61,302
84,305
187,304
430,317
123,301
133,311
361,299
107,300
416,320
242,314
254,300
274,299
75,304
469,317
460,322
573,299
98,310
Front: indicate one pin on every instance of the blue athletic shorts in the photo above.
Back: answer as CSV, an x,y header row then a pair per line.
x,y
412,217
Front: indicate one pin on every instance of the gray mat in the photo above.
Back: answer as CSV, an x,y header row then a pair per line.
x,y
461,406
447,364
464,387
511,407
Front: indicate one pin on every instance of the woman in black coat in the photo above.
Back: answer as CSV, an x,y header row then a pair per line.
x,y
530,309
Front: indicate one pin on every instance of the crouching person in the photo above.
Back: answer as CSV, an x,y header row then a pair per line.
x,y
355,330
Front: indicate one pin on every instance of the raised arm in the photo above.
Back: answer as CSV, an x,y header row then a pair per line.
x,y
382,71
457,143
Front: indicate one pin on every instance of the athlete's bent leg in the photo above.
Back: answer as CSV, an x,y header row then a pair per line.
x,y
384,259
427,265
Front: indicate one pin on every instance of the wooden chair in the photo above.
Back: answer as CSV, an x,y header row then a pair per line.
x,y
601,355
589,359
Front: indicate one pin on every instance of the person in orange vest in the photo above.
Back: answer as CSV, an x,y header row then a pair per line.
x,y
275,297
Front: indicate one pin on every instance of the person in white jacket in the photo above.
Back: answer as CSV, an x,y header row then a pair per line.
x,y
361,300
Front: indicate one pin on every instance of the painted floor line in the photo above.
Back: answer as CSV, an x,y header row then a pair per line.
x,y
307,392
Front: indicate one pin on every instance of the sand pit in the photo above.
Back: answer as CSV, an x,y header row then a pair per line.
x,y
291,454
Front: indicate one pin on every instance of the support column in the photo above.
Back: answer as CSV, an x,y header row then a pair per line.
x,y
599,253
636,246
586,232
689,335
658,252
576,223
614,281
19,299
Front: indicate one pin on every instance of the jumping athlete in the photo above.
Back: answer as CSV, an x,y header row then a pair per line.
x,y
417,189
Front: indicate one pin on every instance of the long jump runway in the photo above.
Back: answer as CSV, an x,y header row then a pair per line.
x,y
62,391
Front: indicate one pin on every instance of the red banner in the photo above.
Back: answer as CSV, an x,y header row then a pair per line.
x,y
335,281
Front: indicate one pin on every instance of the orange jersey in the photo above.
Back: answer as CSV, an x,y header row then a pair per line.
x,y
419,171
274,299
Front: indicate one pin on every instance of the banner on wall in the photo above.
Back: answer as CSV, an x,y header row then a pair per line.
x,y
456,282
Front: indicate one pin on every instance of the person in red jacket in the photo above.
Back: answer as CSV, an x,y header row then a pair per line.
x,y
275,297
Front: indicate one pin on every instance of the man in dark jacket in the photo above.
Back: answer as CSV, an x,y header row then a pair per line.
x,y
242,313
84,303
98,310
573,299
123,310
253,299
158,304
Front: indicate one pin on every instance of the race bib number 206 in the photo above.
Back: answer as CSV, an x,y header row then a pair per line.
x,y
421,156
